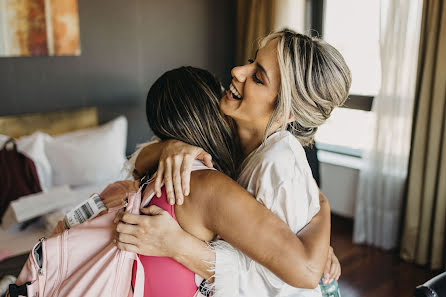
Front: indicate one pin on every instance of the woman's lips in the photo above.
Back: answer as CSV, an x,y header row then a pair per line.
x,y
229,96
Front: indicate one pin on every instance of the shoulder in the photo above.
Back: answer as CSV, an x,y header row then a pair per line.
x,y
207,179
216,198
212,184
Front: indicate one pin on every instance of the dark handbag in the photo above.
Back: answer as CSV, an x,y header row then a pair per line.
x,y
18,176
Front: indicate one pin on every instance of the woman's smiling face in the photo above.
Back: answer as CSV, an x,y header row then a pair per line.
x,y
251,97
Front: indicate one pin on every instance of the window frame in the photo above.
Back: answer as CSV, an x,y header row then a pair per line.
x,y
316,7
315,24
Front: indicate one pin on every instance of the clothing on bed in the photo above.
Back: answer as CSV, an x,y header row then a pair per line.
x,y
18,175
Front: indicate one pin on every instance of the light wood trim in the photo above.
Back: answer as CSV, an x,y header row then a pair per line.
x,y
52,123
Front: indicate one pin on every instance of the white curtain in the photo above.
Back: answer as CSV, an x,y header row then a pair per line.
x,y
383,176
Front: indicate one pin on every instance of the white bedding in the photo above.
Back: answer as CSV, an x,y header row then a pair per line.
x,y
18,242
87,160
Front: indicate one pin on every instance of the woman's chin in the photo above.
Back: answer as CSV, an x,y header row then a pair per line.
x,y
228,106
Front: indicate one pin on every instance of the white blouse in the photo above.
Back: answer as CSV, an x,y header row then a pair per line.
x,y
278,175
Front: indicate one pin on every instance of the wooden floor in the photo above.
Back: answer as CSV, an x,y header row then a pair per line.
x,y
368,272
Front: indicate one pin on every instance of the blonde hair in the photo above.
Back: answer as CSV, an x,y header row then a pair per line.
x,y
314,80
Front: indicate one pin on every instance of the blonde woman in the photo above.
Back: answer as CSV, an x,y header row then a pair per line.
x,y
277,102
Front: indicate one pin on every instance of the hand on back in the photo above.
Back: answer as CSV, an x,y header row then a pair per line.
x,y
175,167
155,233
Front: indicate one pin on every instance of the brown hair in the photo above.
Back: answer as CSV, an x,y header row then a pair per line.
x,y
183,104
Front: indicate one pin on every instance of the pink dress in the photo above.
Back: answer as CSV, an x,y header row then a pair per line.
x,y
165,277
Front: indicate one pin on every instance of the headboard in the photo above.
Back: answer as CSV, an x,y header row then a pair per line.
x,y
52,123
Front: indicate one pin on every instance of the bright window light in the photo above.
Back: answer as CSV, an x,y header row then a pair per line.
x,y
352,26
346,127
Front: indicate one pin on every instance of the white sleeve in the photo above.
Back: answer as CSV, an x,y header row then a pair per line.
x,y
295,201
227,269
236,274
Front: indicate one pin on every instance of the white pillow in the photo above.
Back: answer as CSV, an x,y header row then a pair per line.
x,y
89,156
33,146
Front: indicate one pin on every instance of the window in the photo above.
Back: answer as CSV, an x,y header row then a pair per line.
x,y
351,26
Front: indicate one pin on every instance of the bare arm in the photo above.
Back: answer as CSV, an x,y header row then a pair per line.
x,y
197,256
230,211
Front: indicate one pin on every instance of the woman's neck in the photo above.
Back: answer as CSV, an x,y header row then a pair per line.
x,y
252,136
249,140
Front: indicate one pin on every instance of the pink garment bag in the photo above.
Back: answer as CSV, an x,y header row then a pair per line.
x,y
84,261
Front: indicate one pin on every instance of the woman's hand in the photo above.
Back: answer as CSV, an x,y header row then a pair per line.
x,y
333,268
114,195
154,234
175,167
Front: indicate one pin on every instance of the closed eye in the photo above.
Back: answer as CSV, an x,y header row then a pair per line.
x,y
256,79
254,76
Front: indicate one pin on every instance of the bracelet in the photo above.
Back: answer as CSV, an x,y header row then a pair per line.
x,y
205,290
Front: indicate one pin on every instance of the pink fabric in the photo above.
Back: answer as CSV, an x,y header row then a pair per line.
x,y
164,277
82,261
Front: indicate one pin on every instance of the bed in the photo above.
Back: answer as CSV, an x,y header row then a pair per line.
x,y
73,132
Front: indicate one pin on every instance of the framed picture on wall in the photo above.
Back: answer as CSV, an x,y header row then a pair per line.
x,y
39,28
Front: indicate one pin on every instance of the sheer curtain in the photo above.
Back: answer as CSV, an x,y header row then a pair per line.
x,y
383,176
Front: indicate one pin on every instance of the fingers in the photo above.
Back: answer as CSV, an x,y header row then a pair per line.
x,y
332,268
335,272
114,204
126,238
177,160
168,182
126,217
126,247
205,158
158,179
115,201
152,210
127,229
327,269
186,169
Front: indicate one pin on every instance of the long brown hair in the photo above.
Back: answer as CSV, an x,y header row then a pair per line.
x,y
183,104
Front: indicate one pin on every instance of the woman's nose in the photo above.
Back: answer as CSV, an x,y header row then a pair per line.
x,y
240,73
